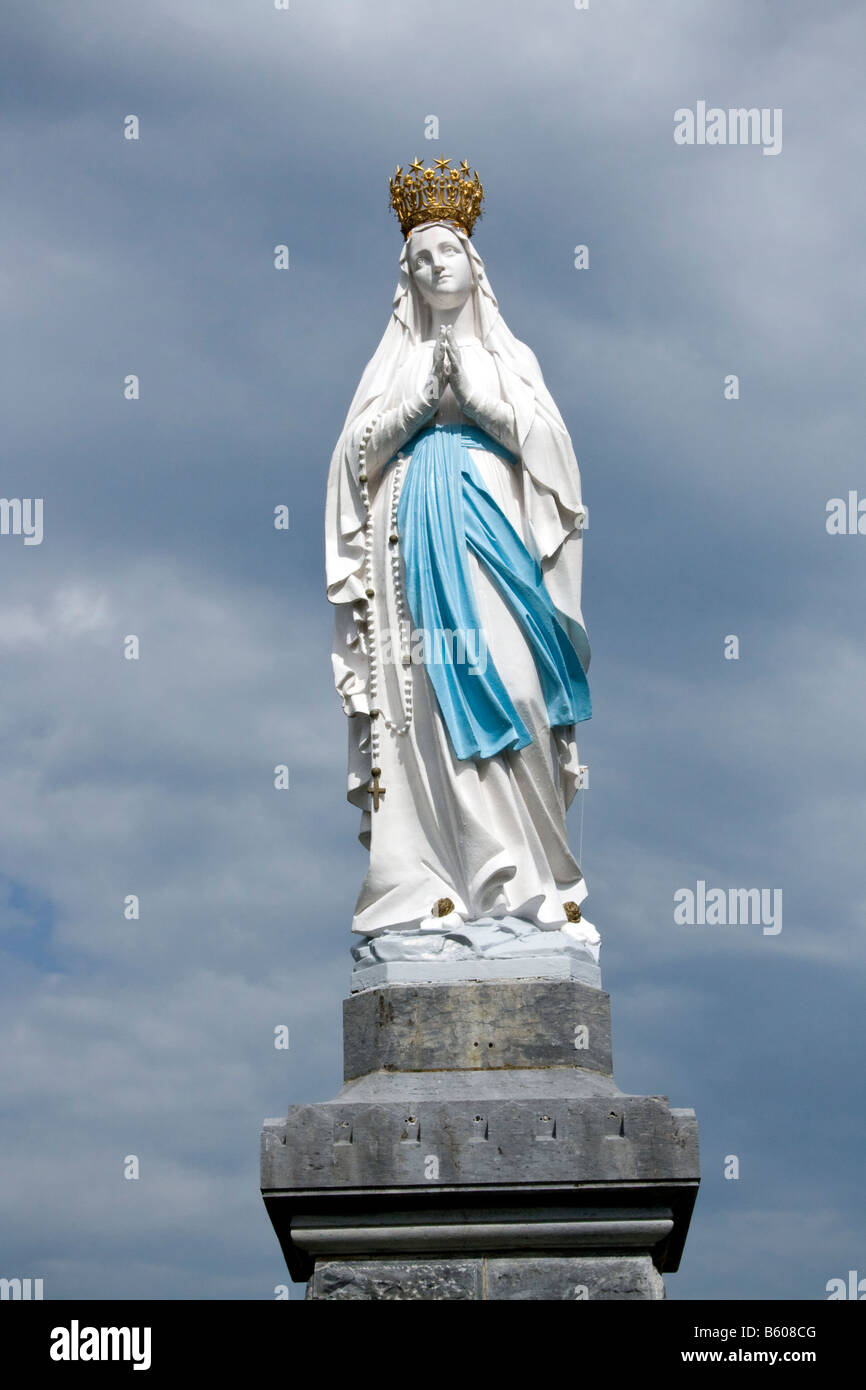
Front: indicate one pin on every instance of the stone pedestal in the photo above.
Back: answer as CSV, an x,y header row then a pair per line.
x,y
480,1149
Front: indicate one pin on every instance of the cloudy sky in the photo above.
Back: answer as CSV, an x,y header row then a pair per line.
x,y
707,519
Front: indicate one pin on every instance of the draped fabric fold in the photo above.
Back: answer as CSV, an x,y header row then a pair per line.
x,y
444,513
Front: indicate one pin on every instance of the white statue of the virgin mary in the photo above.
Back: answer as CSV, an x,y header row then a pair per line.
x,y
453,551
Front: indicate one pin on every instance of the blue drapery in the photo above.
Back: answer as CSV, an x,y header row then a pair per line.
x,y
445,512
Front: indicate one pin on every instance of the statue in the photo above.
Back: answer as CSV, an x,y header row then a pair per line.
x,y
453,556
475,1025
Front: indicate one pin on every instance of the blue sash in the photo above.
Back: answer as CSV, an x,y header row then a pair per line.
x,y
444,512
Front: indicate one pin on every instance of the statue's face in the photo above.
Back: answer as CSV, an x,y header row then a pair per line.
x,y
440,267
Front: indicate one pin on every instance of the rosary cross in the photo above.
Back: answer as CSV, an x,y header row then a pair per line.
x,y
374,787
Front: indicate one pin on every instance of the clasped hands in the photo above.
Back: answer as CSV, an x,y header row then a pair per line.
x,y
391,429
448,369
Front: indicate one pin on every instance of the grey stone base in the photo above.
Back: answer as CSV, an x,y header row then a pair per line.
x,y
531,1277
480,1149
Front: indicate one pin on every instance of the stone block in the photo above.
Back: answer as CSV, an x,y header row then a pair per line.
x,y
477,1026
589,1279
408,1281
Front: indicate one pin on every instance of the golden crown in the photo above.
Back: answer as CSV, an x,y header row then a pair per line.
x,y
437,194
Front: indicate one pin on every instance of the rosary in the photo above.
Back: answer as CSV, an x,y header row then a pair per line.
x,y
376,790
